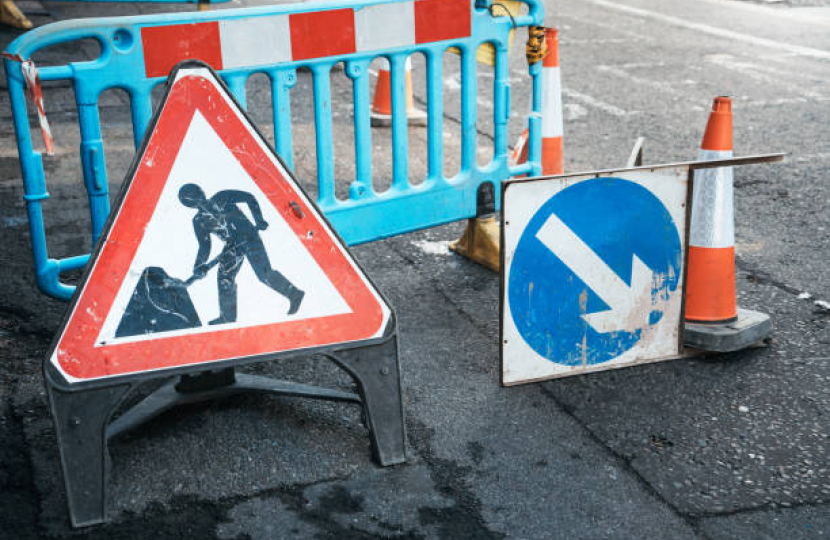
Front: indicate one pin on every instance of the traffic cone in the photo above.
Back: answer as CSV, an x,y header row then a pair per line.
x,y
713,320
553,159
381,113
519,154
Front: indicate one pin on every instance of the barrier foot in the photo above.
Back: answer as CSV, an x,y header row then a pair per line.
x,y
80,419
415,117
480,242
212,385
376,369
748,329
11,15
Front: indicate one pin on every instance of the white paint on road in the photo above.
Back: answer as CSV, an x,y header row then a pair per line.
x,y
453,82
811,157
596,103
599,41
438,247
713,30
820,16
738,104
623,74
765,73
611,27
574,111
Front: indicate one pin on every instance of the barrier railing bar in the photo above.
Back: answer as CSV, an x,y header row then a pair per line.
x,y
236,82
94,164
140,109
469,133
400,123
72,263
360,188
55,73
501,105
322,126
282,80
535,121
435,117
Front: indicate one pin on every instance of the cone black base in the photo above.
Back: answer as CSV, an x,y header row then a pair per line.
x,y
749,328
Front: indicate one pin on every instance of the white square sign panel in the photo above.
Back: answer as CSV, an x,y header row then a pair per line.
x,y
593,271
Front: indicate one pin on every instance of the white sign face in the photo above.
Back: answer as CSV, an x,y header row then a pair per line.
x,y
213,253
170,243
593,271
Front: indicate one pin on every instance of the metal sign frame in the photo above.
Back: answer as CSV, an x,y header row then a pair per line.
x,y
691,166
81,410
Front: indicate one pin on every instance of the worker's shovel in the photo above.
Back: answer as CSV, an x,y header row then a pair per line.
x,y
161,303
197,276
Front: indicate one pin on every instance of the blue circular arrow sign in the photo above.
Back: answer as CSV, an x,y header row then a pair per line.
x,y
592,269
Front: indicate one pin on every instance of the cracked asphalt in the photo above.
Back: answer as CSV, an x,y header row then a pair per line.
x,y
719,447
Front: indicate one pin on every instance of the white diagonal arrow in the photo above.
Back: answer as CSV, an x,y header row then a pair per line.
x,y
630,305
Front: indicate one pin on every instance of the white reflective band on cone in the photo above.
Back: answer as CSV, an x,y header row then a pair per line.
x,y
551,103
385,66
713,220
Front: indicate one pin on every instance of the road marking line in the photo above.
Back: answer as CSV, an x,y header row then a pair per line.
x,y
607,41
594,102
737,104
636,36
713,30
795,14
623,74
574,111
765,74
811,157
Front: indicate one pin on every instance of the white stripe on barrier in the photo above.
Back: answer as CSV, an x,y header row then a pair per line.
x,y
713,219
255,41
551,103
384,26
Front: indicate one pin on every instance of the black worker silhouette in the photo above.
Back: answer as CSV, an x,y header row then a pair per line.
x,y
221,216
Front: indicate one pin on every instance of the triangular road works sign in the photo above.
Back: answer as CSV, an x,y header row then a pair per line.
x,y
213,253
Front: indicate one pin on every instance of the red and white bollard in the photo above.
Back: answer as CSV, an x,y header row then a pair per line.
x,y
553,158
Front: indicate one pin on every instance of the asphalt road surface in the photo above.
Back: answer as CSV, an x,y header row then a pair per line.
x,y
729,446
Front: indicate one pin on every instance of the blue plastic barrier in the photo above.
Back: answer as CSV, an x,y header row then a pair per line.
x,y
137,52
152,1
203,2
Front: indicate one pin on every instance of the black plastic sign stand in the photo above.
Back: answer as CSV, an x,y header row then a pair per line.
x,y
82,407
81,412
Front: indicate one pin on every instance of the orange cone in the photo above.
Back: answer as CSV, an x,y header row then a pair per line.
x,y
382,104
713,320
710,285
553,159
519,154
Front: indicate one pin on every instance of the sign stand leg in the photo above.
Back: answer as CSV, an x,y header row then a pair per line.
x,y
80,419
376,369
212,385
